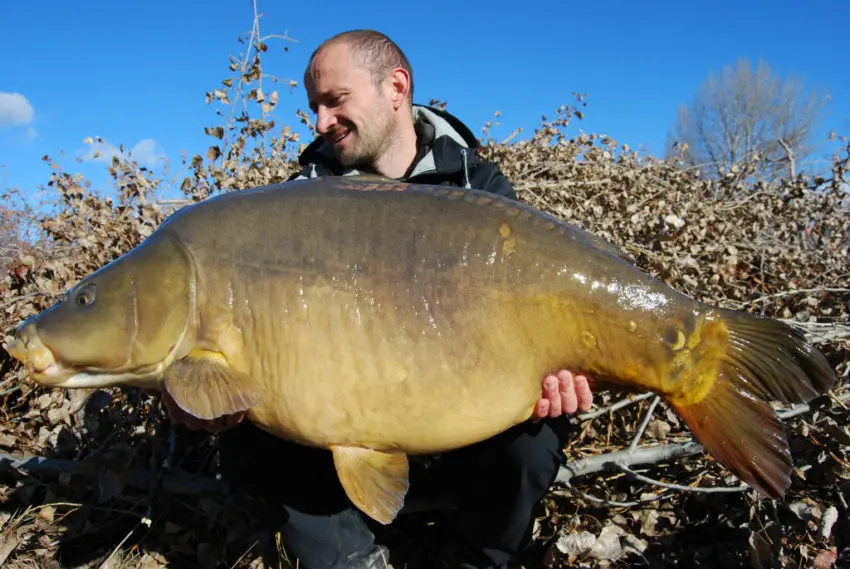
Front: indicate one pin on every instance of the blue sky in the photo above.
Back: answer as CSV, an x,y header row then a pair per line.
x,y
137,73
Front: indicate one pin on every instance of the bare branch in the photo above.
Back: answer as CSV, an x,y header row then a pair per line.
x,y
790,153
144,521
642,455
179,483
648,480
644,423
619,405
795,411
27,296
793,292
648,455
284,37
616,503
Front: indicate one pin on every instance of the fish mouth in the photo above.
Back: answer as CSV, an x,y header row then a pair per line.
x,y
38,359
42,367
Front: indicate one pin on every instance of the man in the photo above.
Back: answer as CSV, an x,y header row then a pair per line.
x,y
360,87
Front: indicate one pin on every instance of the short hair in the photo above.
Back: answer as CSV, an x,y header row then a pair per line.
x,y
374,51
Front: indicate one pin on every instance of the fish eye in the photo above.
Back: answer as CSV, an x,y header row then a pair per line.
x,y
85,297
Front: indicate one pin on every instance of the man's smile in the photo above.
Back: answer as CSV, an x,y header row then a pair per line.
x,y
338,137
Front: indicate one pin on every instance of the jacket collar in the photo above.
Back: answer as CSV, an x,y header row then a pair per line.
x,y
444,146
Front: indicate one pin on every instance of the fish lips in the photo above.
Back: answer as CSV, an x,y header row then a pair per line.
x,y
38,360
42,367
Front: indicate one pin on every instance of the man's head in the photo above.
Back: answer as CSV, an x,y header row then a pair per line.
x,y
360,85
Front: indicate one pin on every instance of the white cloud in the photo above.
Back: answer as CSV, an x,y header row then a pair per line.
x,y
15,110
146,152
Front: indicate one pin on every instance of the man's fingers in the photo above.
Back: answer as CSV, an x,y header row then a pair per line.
x,y
541,410
569,403
583,393
551,392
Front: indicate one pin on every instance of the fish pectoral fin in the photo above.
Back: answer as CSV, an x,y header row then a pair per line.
x,y
204,385
375,481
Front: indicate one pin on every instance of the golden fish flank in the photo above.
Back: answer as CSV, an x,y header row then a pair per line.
x,y
445,307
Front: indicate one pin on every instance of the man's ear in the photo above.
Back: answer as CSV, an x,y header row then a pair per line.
x,y
400,87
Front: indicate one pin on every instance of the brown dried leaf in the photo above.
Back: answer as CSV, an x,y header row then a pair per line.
x,y
658,429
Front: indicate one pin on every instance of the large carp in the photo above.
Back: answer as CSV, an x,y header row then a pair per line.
x,y
379,320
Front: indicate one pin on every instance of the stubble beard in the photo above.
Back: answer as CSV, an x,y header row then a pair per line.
x,y
371,145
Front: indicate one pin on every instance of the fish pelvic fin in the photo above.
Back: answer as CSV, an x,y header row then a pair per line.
x,y
205,386
762,360
375,481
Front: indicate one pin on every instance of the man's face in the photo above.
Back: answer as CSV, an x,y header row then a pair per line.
x,y
353,115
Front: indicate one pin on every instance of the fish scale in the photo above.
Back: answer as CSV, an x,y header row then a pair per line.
x,y
378,319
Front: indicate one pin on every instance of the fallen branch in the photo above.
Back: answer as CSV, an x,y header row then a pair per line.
x,y
651,455
619,405
793,292
615,503
641,455
178,482
644,423
821,331
670,486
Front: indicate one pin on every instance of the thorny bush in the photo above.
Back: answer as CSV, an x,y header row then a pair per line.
x,y
778,247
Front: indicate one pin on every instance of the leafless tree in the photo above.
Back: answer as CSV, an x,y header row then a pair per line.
x,y
744,114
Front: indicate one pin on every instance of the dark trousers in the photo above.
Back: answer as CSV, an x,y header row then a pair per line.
x,y
498,482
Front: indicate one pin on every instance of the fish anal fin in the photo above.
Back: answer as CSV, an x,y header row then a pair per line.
x,y
206,386
375,481
742,432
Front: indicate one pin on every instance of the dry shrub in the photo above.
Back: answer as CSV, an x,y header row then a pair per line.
x,y
777,247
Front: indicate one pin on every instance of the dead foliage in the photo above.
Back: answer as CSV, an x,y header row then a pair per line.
x,y
776,247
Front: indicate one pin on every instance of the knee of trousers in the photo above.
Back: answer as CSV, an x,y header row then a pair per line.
x,y
534,450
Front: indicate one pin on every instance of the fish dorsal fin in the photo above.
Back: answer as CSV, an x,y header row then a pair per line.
x,y
205,386
375,481
368,177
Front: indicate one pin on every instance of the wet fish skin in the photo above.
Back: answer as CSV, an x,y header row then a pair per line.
x,y
380,319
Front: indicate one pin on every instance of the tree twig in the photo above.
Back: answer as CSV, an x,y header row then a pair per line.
x,y
143,521
792,292
611,408
648,480
15,299
642,455
616,503
790,153
644,423
795,411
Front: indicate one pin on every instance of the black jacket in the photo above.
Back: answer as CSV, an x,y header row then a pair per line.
x,y
447,154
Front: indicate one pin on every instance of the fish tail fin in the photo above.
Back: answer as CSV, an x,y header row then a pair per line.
x,y
743,433
774,359
764,359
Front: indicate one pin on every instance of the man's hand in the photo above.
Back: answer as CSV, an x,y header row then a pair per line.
x,y
178,415
564,393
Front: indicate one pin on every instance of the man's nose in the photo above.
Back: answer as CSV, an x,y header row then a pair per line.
x,y
324,120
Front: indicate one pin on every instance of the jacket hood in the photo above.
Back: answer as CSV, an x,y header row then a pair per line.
x,y
445,146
